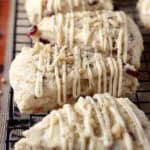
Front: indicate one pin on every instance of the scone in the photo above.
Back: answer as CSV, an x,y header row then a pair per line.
x,y
144,12
46,77
111,33
101,122
36,10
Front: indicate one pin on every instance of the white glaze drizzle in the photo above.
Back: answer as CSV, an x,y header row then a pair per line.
x,y
138,127
111,67
71,33
87,127
101,122
58,5
58,29
89,72
94,26
62,131
39,77
71,118
124,17
66,28
104,74
76,78
39,85
57,78
99,71
107,71
106,111
64,75
119,120
115,79
120,78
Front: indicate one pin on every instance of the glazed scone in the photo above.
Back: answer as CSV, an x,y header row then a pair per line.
x,y
144,12
46,77
42,8
101,122
111,33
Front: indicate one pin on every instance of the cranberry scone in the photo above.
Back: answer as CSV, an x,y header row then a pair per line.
x,y
144,12
46,8
45,77
111,33
101,122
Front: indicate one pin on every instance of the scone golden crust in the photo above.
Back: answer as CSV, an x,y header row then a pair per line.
x,y
46,77
143,7
107,32
101,122
46,8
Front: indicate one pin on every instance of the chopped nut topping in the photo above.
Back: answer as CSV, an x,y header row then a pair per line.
x,y
117,131
55,121
37,48
82,71
70,60
60,58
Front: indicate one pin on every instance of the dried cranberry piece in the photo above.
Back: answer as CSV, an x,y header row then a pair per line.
x,y
111,17
93,3
44,41
33,31
1,34
44,77
132,136
111,147
123,64
133,73
115,51
95,99
116,8
53,44
131,37
49,14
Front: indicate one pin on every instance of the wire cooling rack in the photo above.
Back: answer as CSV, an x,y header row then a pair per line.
x,y
18,122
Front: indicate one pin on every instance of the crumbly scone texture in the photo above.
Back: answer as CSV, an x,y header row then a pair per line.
x,y
143,7
109,32
36,11
93,123
45,77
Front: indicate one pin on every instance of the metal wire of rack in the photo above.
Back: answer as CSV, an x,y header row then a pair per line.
x,y
18,122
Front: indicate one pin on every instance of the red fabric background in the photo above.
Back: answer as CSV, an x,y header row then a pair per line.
x,y
4,14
